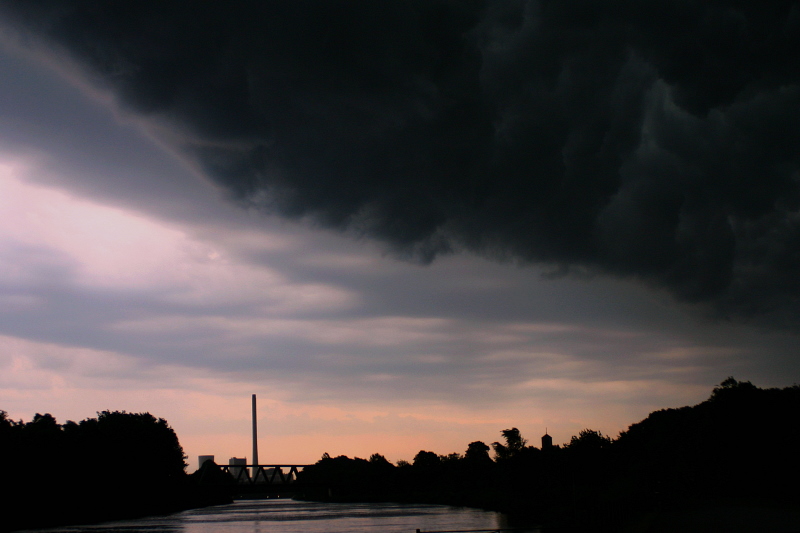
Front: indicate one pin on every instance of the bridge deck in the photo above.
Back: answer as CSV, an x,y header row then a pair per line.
x,y
279,475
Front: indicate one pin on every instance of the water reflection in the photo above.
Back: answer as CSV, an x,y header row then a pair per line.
x,y
289,516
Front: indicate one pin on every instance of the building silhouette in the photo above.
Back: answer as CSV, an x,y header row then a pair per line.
x,y
547,441
237,468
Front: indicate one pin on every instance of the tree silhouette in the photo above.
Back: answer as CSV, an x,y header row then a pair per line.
x,y
425,459
589,441
514,444
739,447
114,466
478,452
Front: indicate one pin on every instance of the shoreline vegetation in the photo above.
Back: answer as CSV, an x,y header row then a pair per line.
x,y
730,463
117,466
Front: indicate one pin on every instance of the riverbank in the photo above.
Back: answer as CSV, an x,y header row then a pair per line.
x,y
708,516
116,466
64,504
677,465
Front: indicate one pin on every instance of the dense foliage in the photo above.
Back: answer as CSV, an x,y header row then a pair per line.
x,y
738,446
114,466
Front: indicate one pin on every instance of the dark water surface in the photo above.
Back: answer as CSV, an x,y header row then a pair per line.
x,y
289,516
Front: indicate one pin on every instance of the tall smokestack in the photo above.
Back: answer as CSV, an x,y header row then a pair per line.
x,y
255,439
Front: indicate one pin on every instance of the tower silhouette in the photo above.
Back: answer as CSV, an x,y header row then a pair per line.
x,y
547,441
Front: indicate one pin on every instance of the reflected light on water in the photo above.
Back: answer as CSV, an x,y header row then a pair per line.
x,y
290,516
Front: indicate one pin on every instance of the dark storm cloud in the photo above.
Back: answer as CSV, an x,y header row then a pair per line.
x,y
650,139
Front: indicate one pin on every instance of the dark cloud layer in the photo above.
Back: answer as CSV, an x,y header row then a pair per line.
x,y
655,139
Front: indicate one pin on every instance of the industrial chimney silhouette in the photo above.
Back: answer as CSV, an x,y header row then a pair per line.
x,y
255,439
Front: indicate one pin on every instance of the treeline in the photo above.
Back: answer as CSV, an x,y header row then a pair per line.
x,y
738,447
118,465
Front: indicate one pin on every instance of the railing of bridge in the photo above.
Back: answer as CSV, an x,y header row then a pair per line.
x,y
263,474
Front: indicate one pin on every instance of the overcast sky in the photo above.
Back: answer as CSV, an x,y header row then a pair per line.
x,y
404,225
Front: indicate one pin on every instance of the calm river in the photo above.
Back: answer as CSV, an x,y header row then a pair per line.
x,y
289,516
